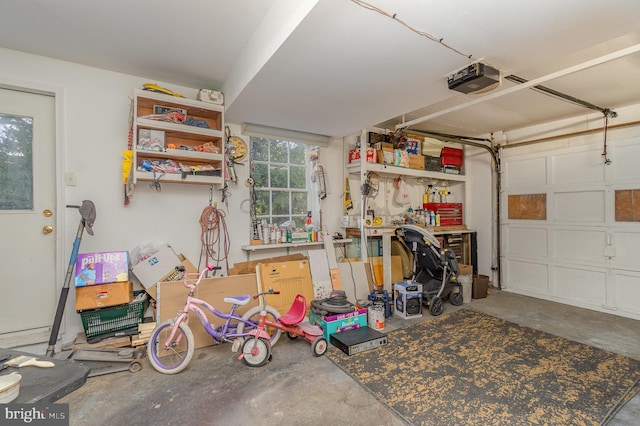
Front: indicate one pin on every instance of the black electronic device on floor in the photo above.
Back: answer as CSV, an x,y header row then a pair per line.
x,y
358,340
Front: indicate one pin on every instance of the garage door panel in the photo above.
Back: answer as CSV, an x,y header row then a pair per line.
x,y
527,241
626,246
581,285
525,173
577,167
592,260
579,245
579,206
627,292
527,276
626,157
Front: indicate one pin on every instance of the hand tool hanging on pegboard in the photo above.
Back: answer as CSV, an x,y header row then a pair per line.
x,y
231,170
255,229
317,175
127,162
346,196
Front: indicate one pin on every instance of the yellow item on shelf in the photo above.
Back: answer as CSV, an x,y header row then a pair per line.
x,y
155,88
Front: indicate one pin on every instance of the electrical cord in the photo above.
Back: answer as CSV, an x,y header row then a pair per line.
x,y
619,404
353,278
400,21
214,236
607,160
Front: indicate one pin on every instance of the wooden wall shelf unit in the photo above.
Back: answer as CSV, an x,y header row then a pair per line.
x,y
196,166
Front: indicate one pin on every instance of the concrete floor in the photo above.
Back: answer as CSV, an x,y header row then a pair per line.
x,y
296,388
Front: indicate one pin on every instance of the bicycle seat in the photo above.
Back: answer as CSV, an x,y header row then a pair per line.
x,y
296,312
238,300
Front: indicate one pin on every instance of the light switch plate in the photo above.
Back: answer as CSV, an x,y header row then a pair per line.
x,y
70,178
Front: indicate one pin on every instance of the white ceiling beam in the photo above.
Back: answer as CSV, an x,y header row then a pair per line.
x,y
277,25
570,70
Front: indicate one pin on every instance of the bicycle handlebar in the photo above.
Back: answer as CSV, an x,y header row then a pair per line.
x,y
200,275
270,291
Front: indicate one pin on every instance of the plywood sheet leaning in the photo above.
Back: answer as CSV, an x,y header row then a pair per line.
x,y
320,276
171,296
333,264
354,280
249,267
289,278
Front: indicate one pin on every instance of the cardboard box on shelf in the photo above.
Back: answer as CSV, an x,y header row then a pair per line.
x,y
101,268
354,156
416,161
103,295
151,140
386,146
157,266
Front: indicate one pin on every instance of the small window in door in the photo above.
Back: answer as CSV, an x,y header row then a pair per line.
x,y
16,162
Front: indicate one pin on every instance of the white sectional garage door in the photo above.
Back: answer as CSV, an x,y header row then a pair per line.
x,y
579,255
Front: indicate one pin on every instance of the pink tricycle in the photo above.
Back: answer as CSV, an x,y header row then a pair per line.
x,y
256,351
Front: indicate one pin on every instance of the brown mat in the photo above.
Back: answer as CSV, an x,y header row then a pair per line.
x,y
469,368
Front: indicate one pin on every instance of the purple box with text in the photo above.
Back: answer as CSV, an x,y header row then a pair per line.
x,y
102,268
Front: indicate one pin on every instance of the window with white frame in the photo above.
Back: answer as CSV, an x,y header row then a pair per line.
x,y
281,171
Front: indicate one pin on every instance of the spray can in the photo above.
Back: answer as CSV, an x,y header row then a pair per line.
x,y
437,219
432,218
272,234
279,236
265,232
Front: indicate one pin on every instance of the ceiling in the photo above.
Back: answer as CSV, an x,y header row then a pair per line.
x,y
334,67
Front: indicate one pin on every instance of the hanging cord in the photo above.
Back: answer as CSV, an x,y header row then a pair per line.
x,y
214,236
607,160
400,21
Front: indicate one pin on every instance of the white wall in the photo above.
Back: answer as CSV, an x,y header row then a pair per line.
x,y
94,123
480,198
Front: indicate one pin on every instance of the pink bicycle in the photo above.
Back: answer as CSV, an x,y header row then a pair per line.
x,y
171,344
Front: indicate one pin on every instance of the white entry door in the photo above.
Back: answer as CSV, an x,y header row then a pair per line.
x,y
28,211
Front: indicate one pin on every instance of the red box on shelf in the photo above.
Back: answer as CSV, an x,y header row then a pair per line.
x,y
450,213
372,155
451,156
354,156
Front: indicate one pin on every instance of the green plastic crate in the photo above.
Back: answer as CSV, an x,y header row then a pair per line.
x,y
98,322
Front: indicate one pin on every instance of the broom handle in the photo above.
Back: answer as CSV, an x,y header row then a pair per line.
x,y
65,292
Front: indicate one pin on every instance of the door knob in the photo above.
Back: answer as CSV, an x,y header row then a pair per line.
x,y
47,229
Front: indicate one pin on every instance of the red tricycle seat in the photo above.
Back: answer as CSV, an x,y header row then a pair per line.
x,y
296,312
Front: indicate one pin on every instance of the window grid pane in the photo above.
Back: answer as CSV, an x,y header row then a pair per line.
x,y
280,175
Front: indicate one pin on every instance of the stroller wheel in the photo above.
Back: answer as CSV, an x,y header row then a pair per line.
x,y
436,306
456,299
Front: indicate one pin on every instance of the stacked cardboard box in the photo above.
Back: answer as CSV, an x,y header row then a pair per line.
x,y
102,280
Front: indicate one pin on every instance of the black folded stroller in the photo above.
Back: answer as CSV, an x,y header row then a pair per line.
x,y
435,268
